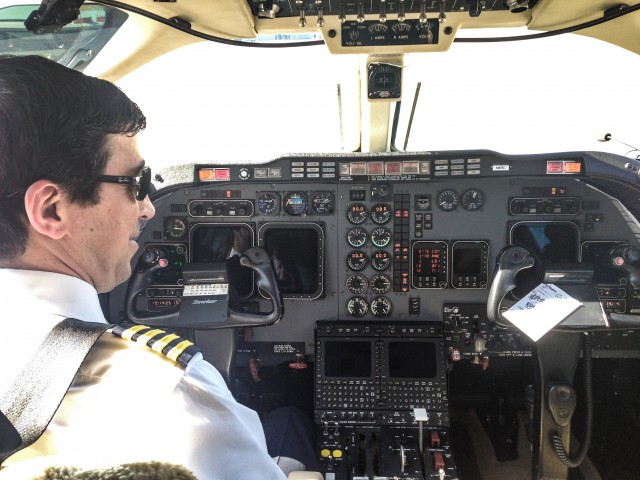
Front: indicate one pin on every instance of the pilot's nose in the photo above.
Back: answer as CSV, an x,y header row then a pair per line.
x,y
147,210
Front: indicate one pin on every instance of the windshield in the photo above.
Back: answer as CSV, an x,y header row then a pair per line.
x,y
218,103
229,104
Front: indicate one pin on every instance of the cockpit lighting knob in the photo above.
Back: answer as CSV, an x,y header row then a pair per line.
x,y
154,256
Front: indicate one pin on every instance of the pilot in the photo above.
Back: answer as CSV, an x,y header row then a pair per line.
x,y
73,200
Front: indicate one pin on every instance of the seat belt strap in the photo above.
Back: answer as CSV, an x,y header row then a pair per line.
x,y
32,400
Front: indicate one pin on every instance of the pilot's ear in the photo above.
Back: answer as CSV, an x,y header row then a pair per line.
x,y
41,201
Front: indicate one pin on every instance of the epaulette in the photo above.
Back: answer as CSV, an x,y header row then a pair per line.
x,y
170,345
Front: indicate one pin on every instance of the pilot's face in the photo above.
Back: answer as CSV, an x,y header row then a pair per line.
x,y
109,229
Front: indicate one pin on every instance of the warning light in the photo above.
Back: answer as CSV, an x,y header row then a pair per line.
x,y
393,168
205,175
375,168
572,167
555,167
222,174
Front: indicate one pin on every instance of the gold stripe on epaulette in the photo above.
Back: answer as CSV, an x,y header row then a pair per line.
x,y
159,345
146,336
130,332
170,345
176,351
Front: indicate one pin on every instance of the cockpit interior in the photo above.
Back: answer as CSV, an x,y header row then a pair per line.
x,y
458,314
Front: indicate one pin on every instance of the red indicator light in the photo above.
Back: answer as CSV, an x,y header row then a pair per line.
x,y
375,168
393,168
555,167
222,174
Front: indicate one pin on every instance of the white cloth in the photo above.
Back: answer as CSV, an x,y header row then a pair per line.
x,y
127,403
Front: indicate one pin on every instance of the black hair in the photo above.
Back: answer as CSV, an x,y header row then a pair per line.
x,y
54,125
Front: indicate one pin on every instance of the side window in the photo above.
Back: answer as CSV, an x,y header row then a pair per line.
x,y
75,45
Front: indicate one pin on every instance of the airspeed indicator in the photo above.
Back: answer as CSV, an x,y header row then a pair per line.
x,y
447,200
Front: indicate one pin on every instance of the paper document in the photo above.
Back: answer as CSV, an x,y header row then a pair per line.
x,y
541,309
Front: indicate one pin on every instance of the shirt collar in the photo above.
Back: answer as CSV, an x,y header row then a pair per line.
x,y
28,291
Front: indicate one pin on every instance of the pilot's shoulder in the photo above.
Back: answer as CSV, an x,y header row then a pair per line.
x,y
172,346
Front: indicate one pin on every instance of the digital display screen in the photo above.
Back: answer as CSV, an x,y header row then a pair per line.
x,y
296,256
347,359
467,261
412,360
554,242
225,243
549,241
429,260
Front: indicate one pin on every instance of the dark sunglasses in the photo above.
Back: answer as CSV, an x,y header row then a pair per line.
x,y
143,182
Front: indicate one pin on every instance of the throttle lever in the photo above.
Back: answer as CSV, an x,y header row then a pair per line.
x,y
511,260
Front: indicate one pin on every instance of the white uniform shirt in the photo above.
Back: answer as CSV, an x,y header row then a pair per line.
x,y
127,403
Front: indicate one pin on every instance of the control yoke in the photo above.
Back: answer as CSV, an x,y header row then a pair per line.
x,y
213,287
511,260
514,259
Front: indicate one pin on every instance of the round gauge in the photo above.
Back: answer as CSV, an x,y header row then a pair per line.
x,y
425,29
357,237
357,260
269,203
380,284
323,203
295,203
401,28
472,199
447,200
175,227
381,237
381,260
381,307
357,307
378,29
357,284
381,213
357,213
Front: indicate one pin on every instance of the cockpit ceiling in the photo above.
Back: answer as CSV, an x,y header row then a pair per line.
x,y
235,19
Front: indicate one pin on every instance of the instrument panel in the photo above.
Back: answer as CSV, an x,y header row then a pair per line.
x,y
384,237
